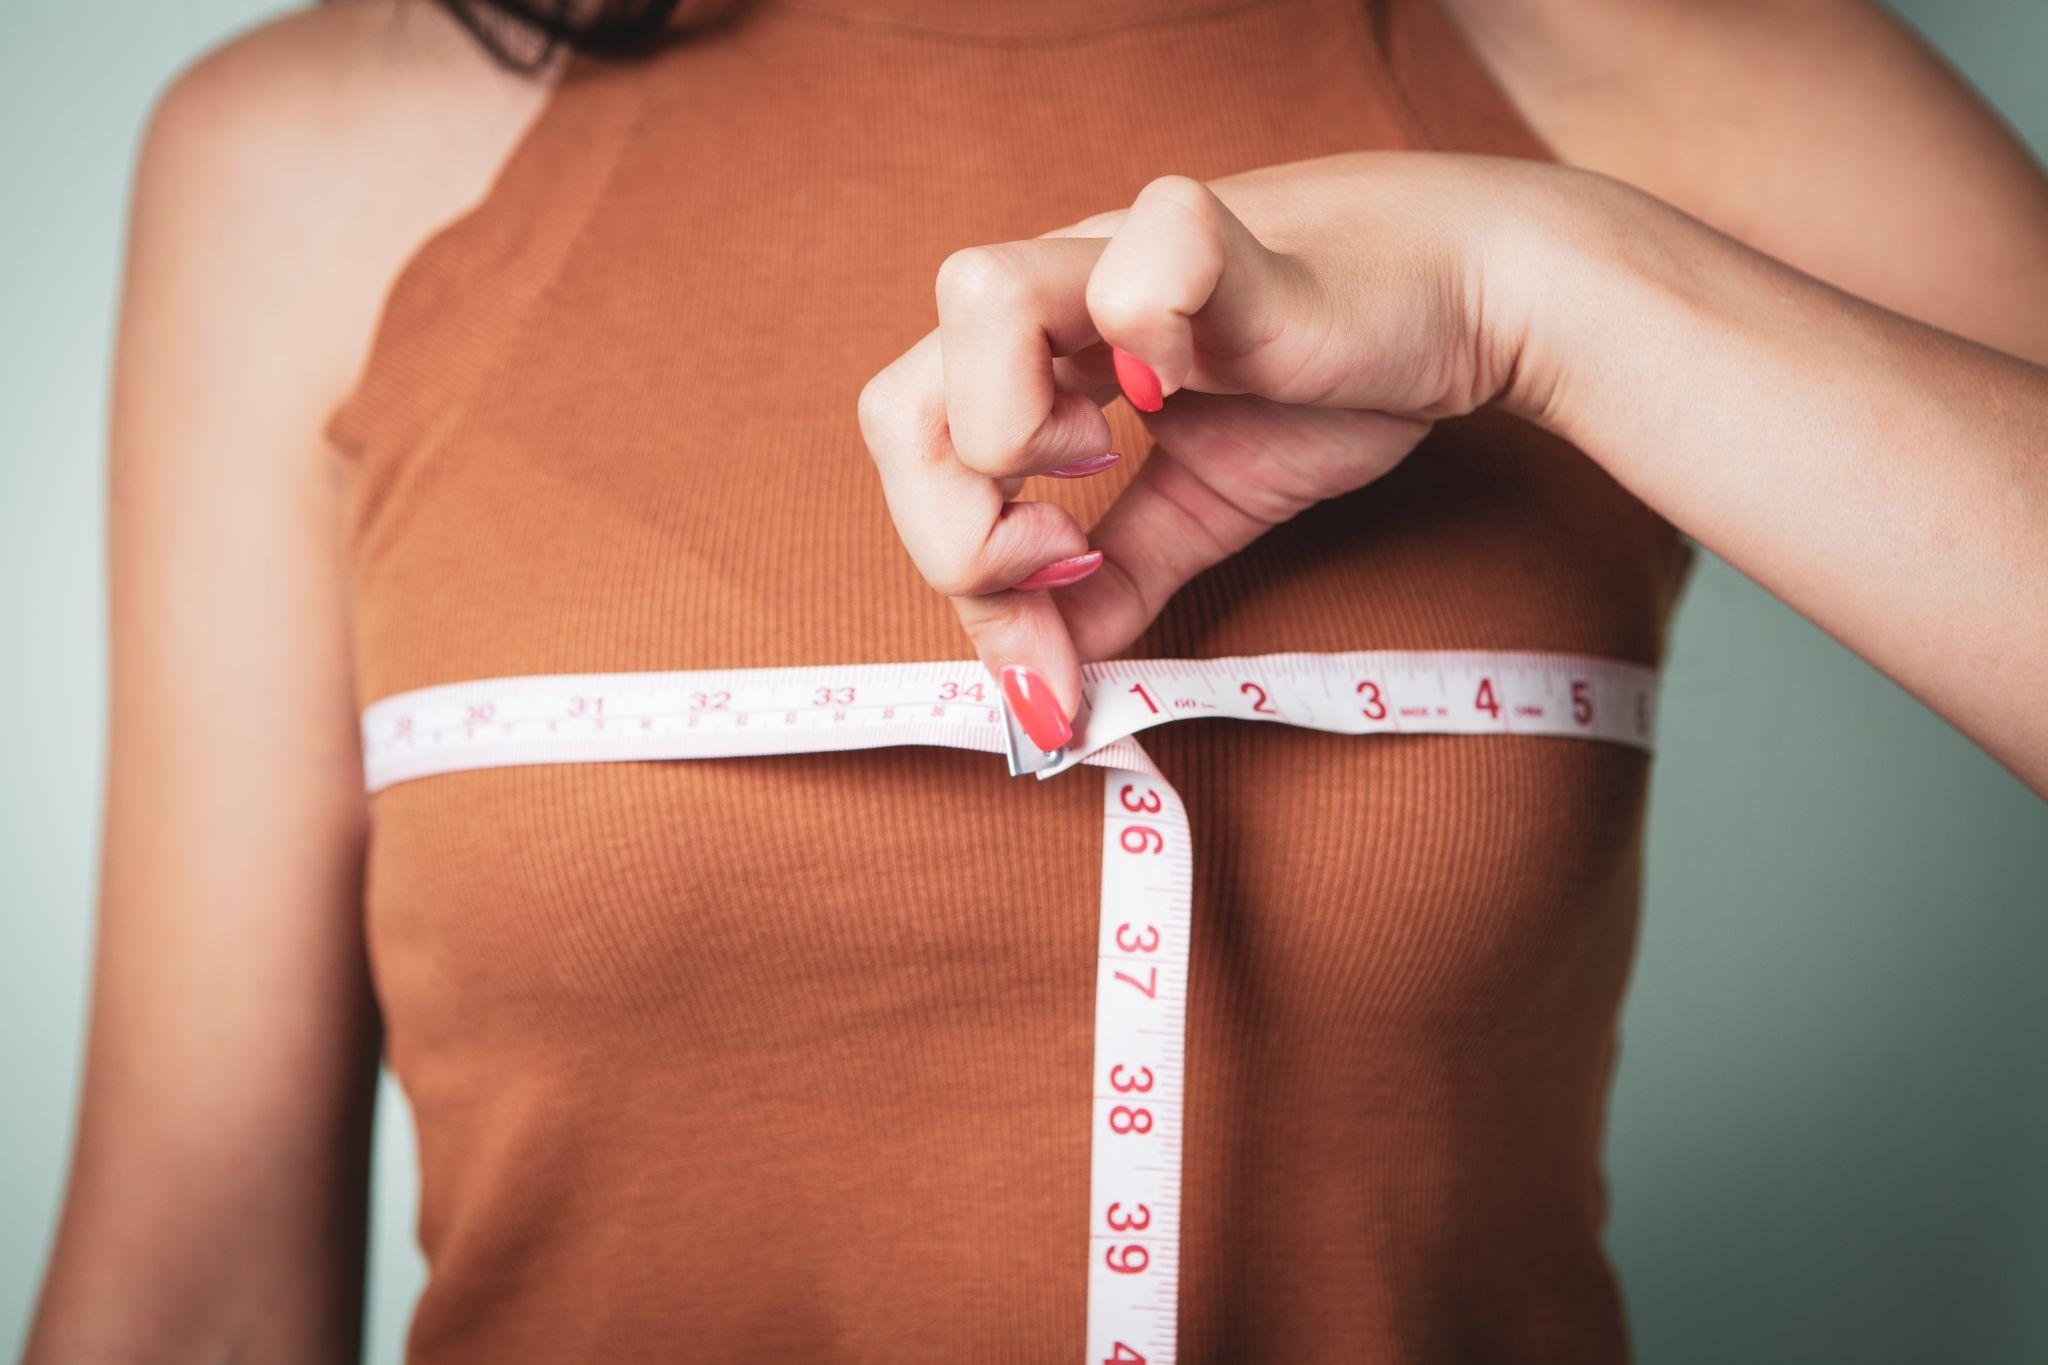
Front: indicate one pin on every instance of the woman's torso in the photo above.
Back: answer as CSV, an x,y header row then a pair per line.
x,y
709,1060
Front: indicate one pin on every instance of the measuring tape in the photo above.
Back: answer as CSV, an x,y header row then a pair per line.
x,y
1141,983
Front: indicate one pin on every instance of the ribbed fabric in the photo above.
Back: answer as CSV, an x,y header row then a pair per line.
x,y
788,1058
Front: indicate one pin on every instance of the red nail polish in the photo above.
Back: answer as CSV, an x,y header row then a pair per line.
x,y
1062,572
1081,469
1036,709
1140,384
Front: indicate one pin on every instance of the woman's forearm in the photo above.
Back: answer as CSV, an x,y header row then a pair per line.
x,y
1886,479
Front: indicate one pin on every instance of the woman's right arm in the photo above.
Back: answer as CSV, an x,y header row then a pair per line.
x,y
216,1204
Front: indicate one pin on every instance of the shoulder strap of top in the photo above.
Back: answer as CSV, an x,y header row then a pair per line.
x,y
465,287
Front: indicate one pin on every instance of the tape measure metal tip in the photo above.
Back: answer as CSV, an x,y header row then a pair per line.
x,y
1028,760
1025,757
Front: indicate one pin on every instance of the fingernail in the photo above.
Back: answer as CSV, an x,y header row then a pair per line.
x,y
1061,572
1081,469
1140,384
1036,709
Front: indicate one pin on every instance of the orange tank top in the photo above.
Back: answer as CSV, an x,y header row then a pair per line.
x,y
700,1068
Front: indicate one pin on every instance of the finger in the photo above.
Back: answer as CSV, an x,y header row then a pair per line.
x,y
962,532
1006,313
1178,253
1208,490
1025,631
967,539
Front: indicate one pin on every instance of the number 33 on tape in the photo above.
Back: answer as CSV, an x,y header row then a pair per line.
x,y
1143,951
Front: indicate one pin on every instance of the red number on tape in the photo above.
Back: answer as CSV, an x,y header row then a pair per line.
x,y
1126,1085
1125,1119
1136,1221
1149,944
1130,1260
1142,839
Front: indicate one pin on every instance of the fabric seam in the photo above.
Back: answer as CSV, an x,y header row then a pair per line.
x,y
903,28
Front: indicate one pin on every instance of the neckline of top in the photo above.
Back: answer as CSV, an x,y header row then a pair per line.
x,y
1014,21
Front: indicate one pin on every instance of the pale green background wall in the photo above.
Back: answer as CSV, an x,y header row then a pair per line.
x,y
1830,1136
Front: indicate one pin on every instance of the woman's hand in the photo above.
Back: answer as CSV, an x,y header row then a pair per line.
x,y
1304,324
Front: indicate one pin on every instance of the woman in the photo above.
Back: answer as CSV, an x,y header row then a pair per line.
x,y
724,1059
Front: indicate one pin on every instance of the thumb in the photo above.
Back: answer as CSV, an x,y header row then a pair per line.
x,y
1179,252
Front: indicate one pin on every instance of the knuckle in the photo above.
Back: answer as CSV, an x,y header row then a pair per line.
x,y
879,407
1116,307
892,413
1184,195
980,277
1181,224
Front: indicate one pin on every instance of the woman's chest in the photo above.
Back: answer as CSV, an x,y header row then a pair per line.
x,y
1352,889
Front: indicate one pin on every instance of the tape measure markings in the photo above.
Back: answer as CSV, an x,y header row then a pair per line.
x,y
1145,928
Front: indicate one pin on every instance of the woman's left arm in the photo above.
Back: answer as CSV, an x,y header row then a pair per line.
x,y
1886,479
1824,133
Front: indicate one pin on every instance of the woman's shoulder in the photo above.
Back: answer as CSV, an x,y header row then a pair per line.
x,y
1823,132
295,168
356,94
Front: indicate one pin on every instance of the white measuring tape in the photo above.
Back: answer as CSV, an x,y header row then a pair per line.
x,y
1141,984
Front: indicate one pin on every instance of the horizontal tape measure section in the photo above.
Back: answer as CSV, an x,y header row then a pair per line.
x,y
1378,692
599,717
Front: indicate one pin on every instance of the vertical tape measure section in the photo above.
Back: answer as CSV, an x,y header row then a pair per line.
x,y
1145,927
1140,1070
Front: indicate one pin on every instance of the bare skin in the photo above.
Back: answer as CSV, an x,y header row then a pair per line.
x,y
218,1188
1311,322
216,1202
